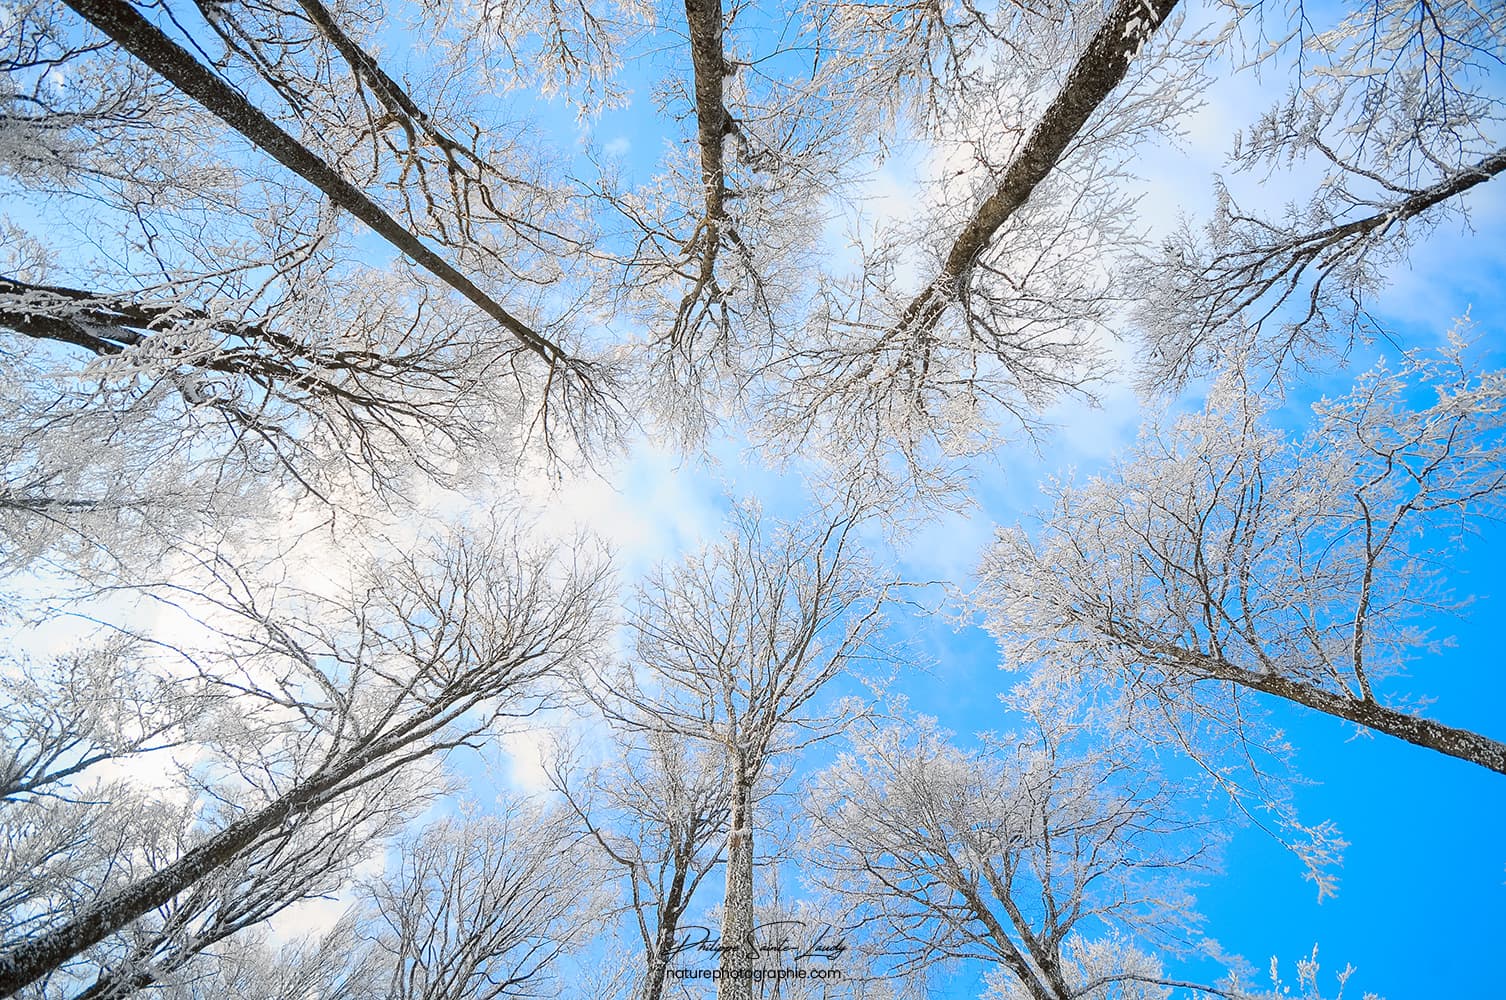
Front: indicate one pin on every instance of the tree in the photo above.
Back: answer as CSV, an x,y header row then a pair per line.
x,y
229,349
984,308
338,965
314,856
82,709
1007,299
126,27
1219,555
1393,110
483,907
732,648
1053,852
658,813
474,907
322,708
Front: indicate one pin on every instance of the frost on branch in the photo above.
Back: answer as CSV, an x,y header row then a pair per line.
x,y
1219,556
1395,109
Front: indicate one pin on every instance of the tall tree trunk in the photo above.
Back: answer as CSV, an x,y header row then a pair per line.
x,y
738,954
33,959
1101,67
124,25
669,925
653,986
1452,741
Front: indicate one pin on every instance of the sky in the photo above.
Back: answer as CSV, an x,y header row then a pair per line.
x,y
1421,906
1420,910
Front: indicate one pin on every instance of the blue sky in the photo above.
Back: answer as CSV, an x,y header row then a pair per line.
x,y
1421,909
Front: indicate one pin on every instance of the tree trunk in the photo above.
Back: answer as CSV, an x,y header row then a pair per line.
x,y
1101,68
1461,743
738,954
704,20
31,960
653,986
669,926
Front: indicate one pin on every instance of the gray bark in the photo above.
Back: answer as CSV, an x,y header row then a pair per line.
x,y
1449,740
738,954
121,22
1100,69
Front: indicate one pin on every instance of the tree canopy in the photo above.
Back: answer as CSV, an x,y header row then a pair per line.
x,y
305,304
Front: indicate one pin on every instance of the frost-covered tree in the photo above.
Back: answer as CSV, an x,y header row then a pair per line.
x,y
483,907
1392,116
1054,852
213,342
1032,108
305,60
335,965
1222,556
468,907
325,702
732,649
658,815
78,710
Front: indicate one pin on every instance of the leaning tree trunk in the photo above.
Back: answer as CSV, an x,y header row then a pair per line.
x,y
1464,744
738,953
31,959
1093,77
124,25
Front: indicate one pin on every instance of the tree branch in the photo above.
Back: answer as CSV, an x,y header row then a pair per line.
x,y
1100,68
122,23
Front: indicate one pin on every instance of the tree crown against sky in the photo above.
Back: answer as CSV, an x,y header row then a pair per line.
x,y
292,257
320,237
306,726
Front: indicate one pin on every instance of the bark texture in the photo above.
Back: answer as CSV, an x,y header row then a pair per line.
x,y
121,22
738,950
1453,742
1100,69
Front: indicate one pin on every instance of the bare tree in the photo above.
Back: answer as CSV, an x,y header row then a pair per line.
x,y
659,814
1393,106
1217,555
337,965
82,709
124,25
1010,288
482,907
326,707
313,857
383,375
234,349
732,649
1054,851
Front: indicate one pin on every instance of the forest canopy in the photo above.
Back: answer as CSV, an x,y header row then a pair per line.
x,y
493,493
